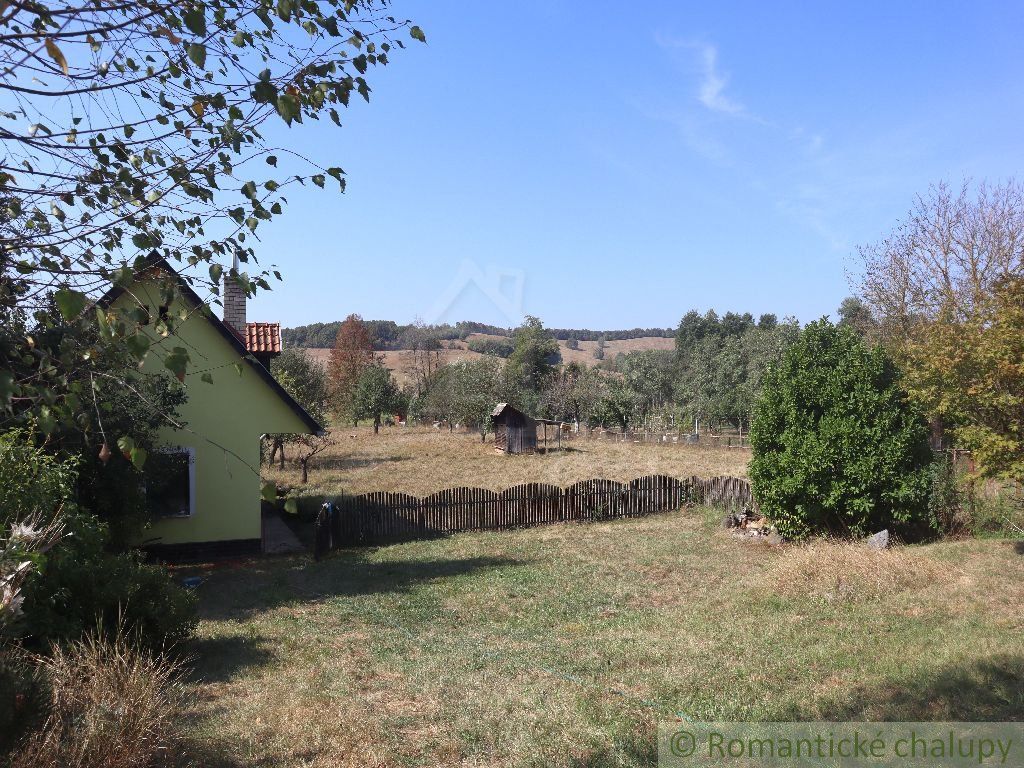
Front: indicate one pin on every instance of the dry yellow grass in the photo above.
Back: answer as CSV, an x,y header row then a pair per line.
x,y
422,460
846,572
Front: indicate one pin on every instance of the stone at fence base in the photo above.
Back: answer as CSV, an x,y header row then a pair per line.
x,y
879,541
774,539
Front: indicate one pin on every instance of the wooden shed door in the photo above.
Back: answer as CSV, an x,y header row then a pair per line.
x,y
515,439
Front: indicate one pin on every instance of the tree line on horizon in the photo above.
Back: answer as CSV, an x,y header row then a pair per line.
x,y
387,335
710,380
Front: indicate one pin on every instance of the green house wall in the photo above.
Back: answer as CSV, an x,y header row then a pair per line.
x,y
223,423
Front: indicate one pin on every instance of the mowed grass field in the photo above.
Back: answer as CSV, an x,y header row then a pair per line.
x,y
422,460
565,645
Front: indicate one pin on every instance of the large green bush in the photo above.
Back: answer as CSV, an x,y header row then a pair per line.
x,y
837,447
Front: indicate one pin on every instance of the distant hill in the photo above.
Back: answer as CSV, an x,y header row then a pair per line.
x,y
390,336
399,360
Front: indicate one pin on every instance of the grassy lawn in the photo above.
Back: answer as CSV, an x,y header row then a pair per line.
x,y
565,645
421,461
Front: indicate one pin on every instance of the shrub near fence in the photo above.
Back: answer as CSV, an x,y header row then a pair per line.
x,y
383,518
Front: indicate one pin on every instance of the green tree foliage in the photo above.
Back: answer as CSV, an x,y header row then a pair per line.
x,y
496,347
618,405
970,373
388,335
719,375
837,446
34,488
638,392
437,402
376,395
478,388
466,393
133,127
304,379
856,315
107,418
535,354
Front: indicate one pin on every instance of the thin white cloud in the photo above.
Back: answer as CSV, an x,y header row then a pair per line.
x,y
713,82
712,87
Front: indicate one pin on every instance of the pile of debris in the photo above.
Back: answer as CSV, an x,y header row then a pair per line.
x,y
749,524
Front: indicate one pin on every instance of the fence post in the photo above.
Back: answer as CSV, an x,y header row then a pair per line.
x,y
322,532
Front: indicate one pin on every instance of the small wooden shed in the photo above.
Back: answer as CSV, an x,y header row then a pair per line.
x,y
514,431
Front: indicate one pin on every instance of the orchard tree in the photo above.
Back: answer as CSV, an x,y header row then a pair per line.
x,y
133,128
619,404
427,354
535,354
438,401
573,393
478,388
375,395
306,381
352,354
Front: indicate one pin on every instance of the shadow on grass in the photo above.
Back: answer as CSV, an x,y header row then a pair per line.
x,y
353,462
219,753
991,690
262,585
220,659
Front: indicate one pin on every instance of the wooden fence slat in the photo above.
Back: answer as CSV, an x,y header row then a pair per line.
x,y
381,517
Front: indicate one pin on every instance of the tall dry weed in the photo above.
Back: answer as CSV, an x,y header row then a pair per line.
x,y
111,704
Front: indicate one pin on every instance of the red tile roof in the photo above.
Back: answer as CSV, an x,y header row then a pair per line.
x,y
263,337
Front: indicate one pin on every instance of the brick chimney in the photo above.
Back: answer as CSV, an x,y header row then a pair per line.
x,y
234,301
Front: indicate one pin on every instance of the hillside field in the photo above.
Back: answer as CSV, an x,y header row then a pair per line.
x,y
399,360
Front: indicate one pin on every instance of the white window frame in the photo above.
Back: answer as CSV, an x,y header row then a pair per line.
x,y
191,452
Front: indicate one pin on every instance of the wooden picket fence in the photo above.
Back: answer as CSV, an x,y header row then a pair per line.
x,y
662,437
384,518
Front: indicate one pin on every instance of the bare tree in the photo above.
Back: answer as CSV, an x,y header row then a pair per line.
x,y
949,252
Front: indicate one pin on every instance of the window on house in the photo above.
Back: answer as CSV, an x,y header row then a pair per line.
x,y
170,482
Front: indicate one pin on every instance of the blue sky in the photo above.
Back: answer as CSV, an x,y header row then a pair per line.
x,y
610,166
